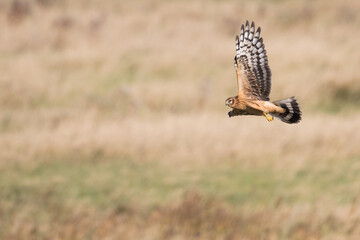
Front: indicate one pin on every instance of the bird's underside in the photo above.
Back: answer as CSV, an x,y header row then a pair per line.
x,y
248,111
256,108
254,81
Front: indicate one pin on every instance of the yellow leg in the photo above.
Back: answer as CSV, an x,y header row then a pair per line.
x,y
268,117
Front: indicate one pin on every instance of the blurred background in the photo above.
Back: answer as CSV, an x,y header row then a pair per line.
x,y
113,124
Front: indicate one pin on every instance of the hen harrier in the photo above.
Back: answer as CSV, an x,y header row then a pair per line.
x,y
254,81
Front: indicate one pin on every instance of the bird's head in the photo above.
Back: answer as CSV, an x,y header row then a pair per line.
x,y
230,102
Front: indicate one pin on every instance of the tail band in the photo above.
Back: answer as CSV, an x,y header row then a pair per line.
x,y
292,113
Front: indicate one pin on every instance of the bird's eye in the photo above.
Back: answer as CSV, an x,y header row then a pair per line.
x,y
229,101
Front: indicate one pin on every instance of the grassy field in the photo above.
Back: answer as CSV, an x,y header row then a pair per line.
x,y
113,124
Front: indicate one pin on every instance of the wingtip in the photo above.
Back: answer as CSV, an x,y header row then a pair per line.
x,y
258,30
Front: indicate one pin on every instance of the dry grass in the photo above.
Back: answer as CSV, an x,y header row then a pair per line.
x,y
112,120
191,218
189,138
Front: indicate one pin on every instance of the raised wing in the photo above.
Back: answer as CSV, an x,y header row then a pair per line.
x,y
251,54
246,80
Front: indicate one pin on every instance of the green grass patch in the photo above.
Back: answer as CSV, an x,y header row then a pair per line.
x,y
112,183
78,193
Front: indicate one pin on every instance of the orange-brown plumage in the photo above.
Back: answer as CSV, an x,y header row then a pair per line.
x,y
254,81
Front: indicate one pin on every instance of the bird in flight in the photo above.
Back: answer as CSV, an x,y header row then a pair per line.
x,y
254,81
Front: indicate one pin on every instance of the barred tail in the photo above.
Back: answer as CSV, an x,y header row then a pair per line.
x,y
292,112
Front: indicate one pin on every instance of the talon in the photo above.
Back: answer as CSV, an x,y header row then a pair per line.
x,y
268,117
